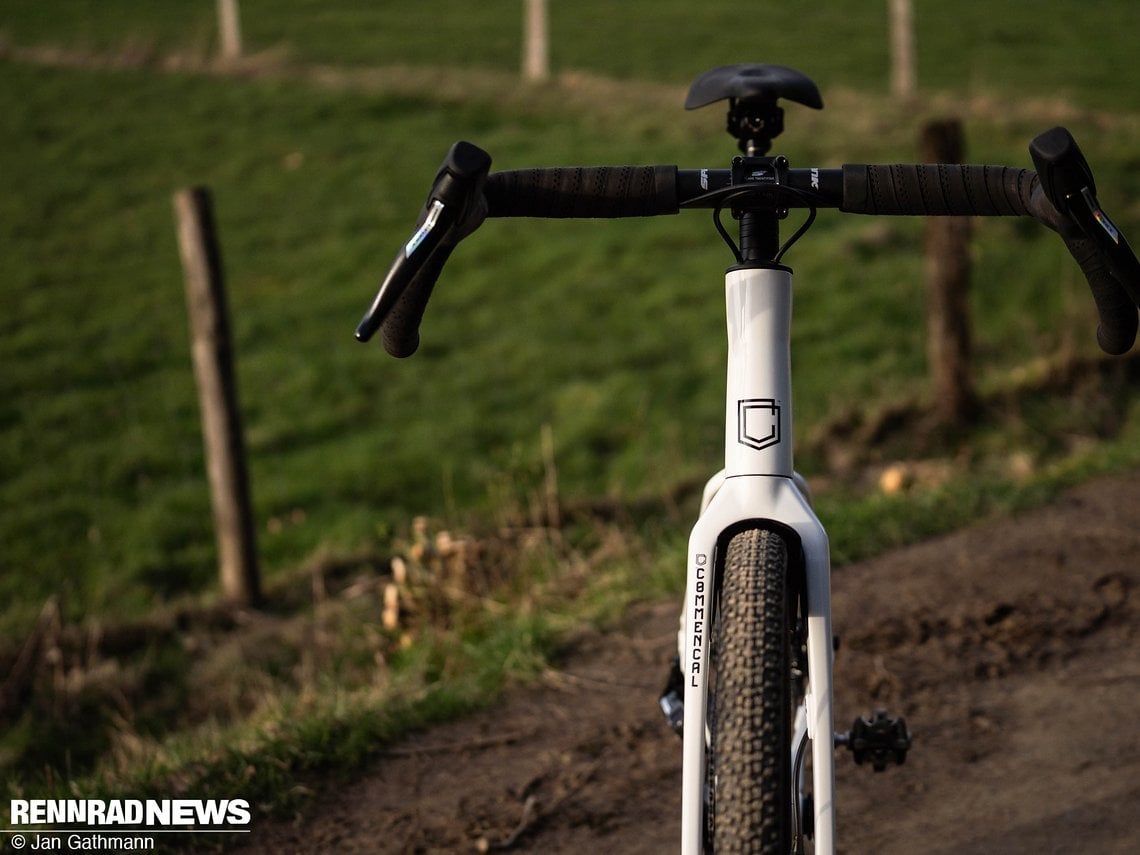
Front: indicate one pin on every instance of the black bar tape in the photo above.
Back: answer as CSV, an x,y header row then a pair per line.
x,y
583,191
937,189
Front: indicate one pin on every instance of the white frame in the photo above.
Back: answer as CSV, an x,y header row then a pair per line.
x,y
758,484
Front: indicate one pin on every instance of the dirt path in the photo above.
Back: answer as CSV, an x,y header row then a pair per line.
x,y
1013,650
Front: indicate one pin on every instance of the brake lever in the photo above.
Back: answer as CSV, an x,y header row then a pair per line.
x,y
453,210
1099,247
1092,216
428,233
1067,180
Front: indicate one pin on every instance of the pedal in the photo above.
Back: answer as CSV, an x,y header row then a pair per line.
x,y
881,740
672,700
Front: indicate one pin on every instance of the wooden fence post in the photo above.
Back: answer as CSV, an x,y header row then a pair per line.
x,y
947,266
903,61
536,41
217,393
229,28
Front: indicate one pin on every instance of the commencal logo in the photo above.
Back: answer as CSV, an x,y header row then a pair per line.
x,y
758,423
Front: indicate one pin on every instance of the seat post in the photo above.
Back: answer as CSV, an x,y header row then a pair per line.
x,y
754,120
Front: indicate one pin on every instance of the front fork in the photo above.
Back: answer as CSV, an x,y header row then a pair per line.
x,y
759,500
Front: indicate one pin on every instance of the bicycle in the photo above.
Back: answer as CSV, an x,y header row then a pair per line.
x,y
751,690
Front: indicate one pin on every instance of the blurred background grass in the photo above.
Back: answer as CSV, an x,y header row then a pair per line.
x,y
610,333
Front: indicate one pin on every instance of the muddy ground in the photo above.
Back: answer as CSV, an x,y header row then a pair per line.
x,y
1013,649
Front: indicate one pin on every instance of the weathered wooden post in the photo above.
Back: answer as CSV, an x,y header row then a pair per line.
x,y
229,28
217,393
947,268
536,41
904,76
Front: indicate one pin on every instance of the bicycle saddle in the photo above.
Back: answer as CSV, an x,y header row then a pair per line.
x,y
753,82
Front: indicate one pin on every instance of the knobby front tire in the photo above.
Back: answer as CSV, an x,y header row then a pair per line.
x,y
749,776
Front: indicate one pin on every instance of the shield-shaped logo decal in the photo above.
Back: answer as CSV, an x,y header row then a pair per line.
x,y
758,423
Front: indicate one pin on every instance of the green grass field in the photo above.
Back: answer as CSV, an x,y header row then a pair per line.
x,y
610,333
